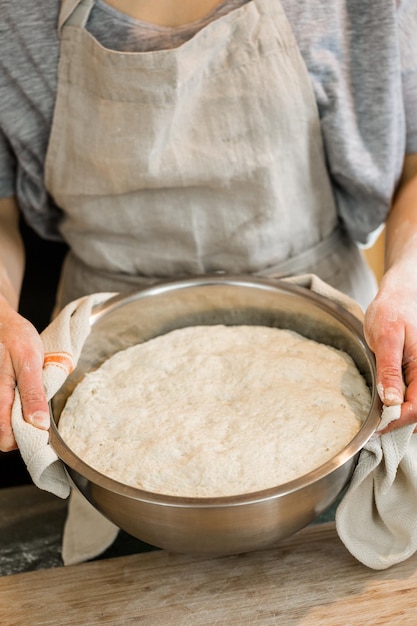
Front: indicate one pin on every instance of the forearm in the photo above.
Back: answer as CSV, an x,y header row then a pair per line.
x,y
12,258
21,348
401,226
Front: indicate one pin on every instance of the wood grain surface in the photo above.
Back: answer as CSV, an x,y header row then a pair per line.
x,y
308,580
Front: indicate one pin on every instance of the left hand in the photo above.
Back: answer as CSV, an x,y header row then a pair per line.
x,y
391,332
391,319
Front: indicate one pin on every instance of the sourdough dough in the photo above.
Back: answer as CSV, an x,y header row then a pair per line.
x,y
216,410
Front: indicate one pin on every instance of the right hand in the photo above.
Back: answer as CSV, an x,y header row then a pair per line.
x,y
21,362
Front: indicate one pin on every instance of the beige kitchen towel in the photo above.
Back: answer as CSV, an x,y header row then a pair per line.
x,y
63,340
377,518
314,283
86,533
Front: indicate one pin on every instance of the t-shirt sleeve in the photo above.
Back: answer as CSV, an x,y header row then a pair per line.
x,y
7,168
407,25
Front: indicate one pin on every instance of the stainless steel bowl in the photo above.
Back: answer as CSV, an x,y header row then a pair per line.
x,y
224,525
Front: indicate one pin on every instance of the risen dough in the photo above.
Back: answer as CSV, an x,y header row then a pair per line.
x,y
216,410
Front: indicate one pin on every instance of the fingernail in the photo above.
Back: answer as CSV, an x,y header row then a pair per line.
x,y
40,419
392,396
380,390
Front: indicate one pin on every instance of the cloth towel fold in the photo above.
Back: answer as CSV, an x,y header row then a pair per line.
x,y
376,520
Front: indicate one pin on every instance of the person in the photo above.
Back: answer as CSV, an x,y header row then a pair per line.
x,y
170,139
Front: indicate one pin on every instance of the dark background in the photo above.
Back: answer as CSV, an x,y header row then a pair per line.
x,y
43,265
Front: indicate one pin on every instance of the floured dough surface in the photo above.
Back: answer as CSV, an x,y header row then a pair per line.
x,y
216,410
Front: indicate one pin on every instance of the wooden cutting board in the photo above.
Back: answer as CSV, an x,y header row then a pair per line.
x,y
308,580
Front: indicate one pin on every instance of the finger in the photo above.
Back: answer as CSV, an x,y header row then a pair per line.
x,y
7,439
388,351
27,356
409,407
7,387
32,394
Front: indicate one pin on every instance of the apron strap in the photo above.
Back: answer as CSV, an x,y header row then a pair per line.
x,y
303,262
74,12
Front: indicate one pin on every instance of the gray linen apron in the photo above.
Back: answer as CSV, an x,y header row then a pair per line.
x,y
182,162
201,159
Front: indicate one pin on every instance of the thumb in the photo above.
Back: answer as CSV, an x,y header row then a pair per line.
x,y
388,348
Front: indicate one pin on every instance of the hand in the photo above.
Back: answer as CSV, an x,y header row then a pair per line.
x,y
21,362
391,332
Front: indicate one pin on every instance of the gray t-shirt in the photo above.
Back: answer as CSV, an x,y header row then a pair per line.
x,y
361,57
